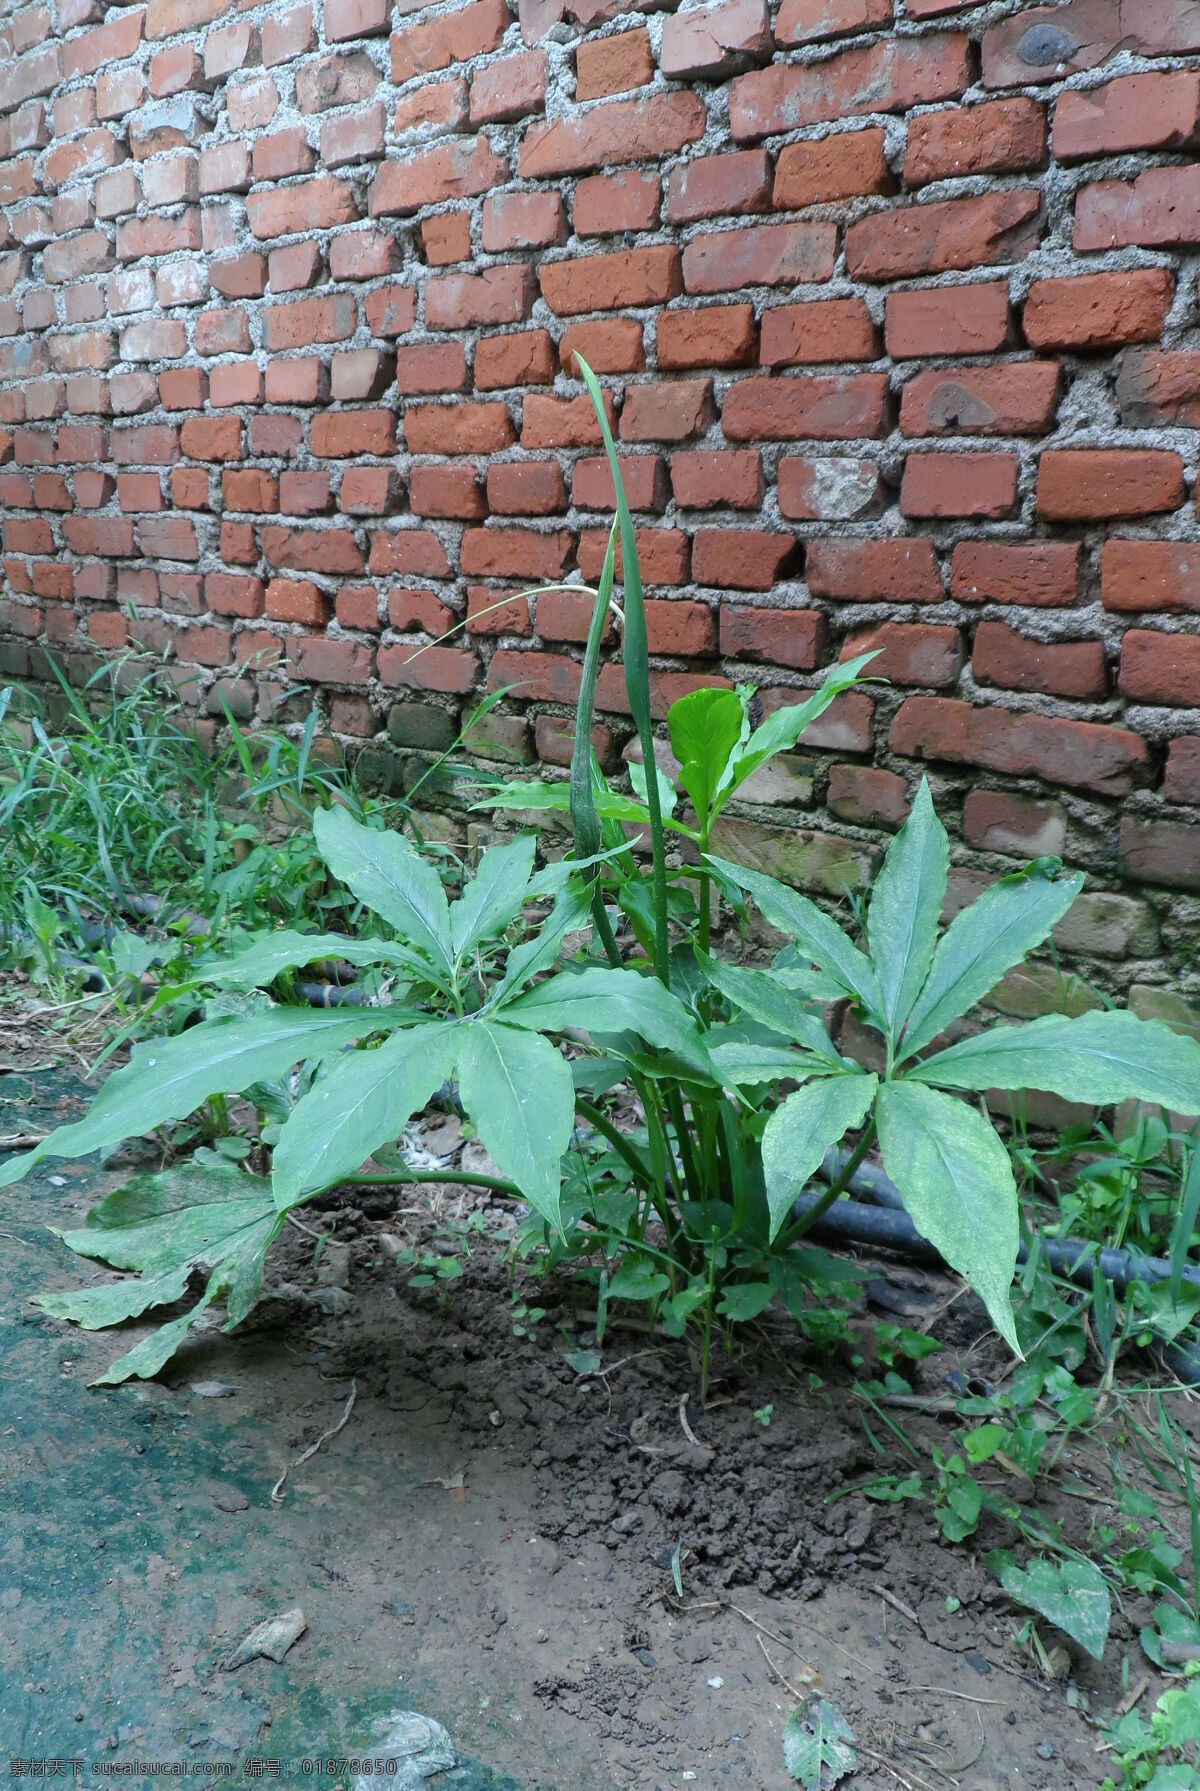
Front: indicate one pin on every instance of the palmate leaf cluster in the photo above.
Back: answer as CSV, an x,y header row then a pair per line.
x,y
741,1087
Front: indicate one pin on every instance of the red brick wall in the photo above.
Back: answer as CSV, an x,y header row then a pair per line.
x,y
896,308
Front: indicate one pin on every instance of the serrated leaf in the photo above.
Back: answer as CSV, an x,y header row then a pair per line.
x,y
905,908
666,789
517,1089
257,962
956,1180
167,1079
999,929
95,1308
818,1745
1099,1057
153,1353
383,870
704,727
609,1001
534,955
743,1064
1071,1594
781,730
802,1129
765,998
494,896
818,939
364,1100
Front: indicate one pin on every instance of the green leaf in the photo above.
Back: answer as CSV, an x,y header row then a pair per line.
x,y
383,870
818,1745
740,1064
607,1001
494,896
820,940
957,1183
744,1300
534,955
906,907
1071,1594
95,1308
760,994
666,789
532,793
999,929
781,730
517,1089
257,962
1099,1058
166,1079
802,1129
364,1100
154,1352
705,727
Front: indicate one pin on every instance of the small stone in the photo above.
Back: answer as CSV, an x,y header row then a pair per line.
x,y
268,1641
1043,1750
213,1389
230,1499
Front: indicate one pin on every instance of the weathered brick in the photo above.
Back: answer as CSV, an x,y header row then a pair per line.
x,y
610,345
1159,209
512,87
997,137
714,336
716,185
707,479
808,21
823,407
1156,387
889,76
922,653
459,170
1133,112
458,428
986,231
561,422
522,359
1084,484
1160,668
844,166
1162,852
503,294
759,255
945,320
607,203
667,412
1003,657
449,39
611,282
1019,398
608,65
1033,575
896,571
1045,43
1182,780
523,221
820,331
940,485
713,41
1077,754
623,131
1098,310
526,488
643,477
828,488
1150,575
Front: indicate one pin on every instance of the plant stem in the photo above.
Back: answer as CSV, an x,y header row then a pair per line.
x,y
618,1140
836,1188
398,1178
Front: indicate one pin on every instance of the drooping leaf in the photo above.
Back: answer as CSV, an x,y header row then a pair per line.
x,y
536,954
782,729
95,1308
166,1079
820,940
153,1353
957,1183
741,1064
802,1129
531,793
705,727
818,1745
999,929
383,870
760,994
517,1089
905,908
493,897
1098,1057
256,963
606,1001
364,1100
1184,1223
1071,1594
666,789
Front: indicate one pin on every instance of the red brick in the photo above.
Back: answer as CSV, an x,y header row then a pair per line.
x,y
643,477
311,550
523,221
892,75
306,321
235,382
555,738
712,41
669,413
1133,112
252,104
315,204
431,367
921,653
175,70
513,87
807,21
607,65
416,552
526,488
239,276
624,131
1098,310
998,137
458,170
993,228
503,294
524,359
1033,575
1160,668
1066,668
488,615
613,345
823,407
1018,398
90,253
1160,209
362,255
606,203
445,237
458,428
760,255
1150,575
715,185
1182,781
1156,387
562,422
717,480
250,489
895,571
516,553
294,267
282,153
1095,484
108,536
212,438
341,435
742,559
231,48
827,489
959,485
664,554
440,105
1163,852
611,282
867,797
995,821
447,491
352,136
418,611
357,606
297,600
348,19
114,42
454,37
684,629
1086,34
1078,754
286,35
429,668
390,310
820,331
324,661
790,637
714,336
843,166
360,373
945,320
301,381
368,491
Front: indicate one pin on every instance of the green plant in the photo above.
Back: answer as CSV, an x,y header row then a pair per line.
x,y
691,1208
1162,1754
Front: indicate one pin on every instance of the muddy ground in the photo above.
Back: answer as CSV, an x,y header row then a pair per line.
x,y
489,1538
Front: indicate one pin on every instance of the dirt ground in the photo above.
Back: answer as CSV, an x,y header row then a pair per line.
x,y
489,1538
